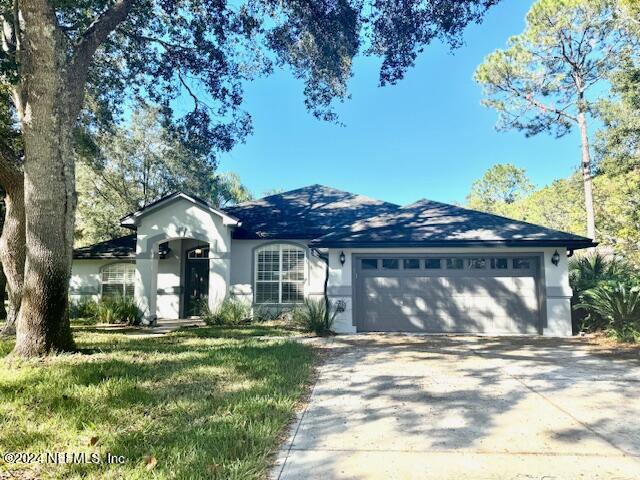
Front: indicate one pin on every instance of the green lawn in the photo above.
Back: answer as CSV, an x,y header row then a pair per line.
x,y
202,403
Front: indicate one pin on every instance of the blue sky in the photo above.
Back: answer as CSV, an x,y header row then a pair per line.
x,y
427,137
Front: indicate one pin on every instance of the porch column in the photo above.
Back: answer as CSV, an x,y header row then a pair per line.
x,y
219,278
146,285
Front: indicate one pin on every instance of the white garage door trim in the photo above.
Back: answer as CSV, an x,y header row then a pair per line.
x,y
357,293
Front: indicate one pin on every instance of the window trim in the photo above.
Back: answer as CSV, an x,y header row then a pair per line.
x,y
193,255
369,268
280,246
124,284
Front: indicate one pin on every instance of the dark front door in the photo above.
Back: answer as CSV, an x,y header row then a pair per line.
x,y
196,285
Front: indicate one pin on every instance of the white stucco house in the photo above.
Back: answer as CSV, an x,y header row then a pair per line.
x,y
425,267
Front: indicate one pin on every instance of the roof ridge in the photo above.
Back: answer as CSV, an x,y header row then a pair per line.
x,y
496,215
314,185
424,212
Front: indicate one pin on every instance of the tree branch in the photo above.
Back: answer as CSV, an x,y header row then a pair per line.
x,y
99,30
189,91
89,42
536,103
159,41
10,168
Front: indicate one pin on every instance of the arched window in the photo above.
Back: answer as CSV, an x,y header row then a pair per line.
x,y
118,280
280,274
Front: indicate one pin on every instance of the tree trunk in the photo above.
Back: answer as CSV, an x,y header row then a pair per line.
x,y
3,297
586,176
12,251
49,190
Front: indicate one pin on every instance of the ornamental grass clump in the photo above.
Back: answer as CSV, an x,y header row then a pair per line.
x,y
122,310
230,312
315,316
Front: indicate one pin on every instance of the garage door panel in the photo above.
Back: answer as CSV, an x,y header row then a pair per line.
x,y
417,285
464,301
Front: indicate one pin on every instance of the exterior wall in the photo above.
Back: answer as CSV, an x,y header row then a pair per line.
x,y
558,295
169,284
554,281
180,220
85,281
243,269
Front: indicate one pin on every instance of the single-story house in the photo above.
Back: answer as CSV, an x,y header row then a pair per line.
x,y
425,267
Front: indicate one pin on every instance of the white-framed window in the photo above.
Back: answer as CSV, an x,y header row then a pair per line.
x,y
280,274
118,280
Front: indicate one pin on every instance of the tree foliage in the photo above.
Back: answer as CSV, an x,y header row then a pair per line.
x,y
132,165
175,52
540,81
560,205
503,184
618,150
543,81
618,143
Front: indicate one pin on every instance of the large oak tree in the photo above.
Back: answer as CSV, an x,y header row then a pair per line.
x,y
67,60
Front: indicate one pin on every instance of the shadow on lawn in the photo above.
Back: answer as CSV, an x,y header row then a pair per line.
x,y
204,408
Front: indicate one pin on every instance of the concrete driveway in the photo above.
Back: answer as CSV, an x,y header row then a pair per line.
x,y
401,406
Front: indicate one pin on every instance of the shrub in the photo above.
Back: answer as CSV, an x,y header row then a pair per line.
x,y
84,308
618,304
263,313
230,312
588,272
314,316
118,310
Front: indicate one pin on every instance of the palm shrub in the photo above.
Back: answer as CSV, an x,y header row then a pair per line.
x,y
118,310
315,316
230,312
618,304
587,272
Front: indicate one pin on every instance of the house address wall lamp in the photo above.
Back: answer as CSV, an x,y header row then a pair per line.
x,y
555,258
163,250
342,258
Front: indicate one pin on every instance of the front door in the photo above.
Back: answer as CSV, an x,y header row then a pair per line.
x,y
196,281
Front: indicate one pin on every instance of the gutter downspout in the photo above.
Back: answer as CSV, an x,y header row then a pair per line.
x,y
325,259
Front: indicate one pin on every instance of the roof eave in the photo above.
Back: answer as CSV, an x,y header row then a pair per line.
x,y
103,256
131,220
569,244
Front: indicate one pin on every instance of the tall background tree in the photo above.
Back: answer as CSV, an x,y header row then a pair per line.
x,y
500,186
618,154
64,60
12,239
543,80
131,165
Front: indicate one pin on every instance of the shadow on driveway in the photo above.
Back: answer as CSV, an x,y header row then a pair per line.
x,y
402,406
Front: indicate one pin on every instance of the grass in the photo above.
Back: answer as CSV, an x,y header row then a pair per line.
x,y
199,403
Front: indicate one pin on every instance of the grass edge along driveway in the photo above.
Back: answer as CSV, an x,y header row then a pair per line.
x,y
203,403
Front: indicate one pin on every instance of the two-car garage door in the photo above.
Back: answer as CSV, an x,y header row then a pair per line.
x,y
447,294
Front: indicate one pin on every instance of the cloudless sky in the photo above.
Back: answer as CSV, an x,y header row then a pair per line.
x,y
426,137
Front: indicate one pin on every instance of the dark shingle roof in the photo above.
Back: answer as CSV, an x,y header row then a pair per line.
x,y
428,223
305,213
334,218
123,247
